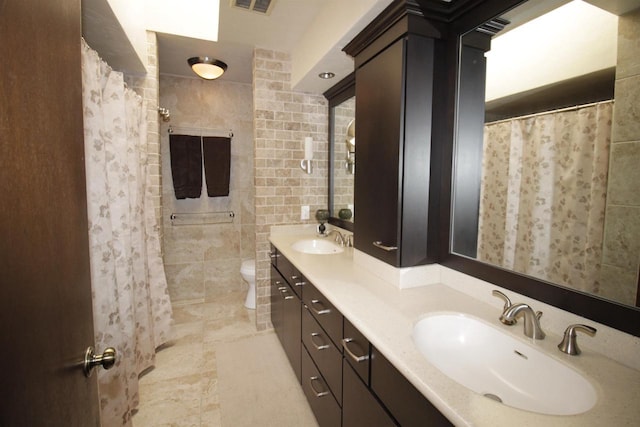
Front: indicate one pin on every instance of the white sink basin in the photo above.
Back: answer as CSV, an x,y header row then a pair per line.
x,y
492,363
317,246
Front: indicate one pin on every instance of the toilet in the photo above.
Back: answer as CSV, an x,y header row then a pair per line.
x,y
248,273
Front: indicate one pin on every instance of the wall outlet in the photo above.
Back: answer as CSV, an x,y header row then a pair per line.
x,y
304,212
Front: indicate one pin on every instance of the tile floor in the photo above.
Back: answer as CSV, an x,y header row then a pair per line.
x,y
184,389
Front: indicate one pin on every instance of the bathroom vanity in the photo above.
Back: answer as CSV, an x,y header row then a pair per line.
x,y
358,355
347,381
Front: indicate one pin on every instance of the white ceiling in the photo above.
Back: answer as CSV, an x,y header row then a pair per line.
x,y
313,31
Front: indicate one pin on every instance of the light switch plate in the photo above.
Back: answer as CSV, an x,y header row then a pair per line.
x,y
304,212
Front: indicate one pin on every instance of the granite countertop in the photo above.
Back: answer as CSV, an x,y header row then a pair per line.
x,y
386,315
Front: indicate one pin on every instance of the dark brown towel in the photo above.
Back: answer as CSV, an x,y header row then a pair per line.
x,y
186,165
217,164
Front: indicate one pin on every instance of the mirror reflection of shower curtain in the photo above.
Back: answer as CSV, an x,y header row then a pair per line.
x,y
131,306
543,194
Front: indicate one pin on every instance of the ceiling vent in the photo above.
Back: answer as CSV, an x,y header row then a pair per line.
x,y
261,6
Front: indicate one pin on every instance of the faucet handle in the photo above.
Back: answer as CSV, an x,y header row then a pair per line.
x,y
349,240
569,342
507,305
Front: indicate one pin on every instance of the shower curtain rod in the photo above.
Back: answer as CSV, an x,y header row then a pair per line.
x,y
200,131
559,110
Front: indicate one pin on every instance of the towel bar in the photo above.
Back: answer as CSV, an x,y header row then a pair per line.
x,y
202,218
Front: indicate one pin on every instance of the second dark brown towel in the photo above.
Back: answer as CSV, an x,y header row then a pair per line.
x,y
217,164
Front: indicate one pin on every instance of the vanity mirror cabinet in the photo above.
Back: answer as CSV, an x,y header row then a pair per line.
x,y
420,120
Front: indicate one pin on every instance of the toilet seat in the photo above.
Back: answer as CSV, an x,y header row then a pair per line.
x,y
248,267
248,273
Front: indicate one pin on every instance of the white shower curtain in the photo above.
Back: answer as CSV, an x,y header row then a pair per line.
x,y
131,306
544,182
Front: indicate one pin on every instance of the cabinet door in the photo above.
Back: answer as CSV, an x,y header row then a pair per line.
x,y
292,328
278,285
379,93
274,255
407,405
394,96
360,408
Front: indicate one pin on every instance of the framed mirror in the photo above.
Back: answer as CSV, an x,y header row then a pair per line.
x,y
544,193
342,157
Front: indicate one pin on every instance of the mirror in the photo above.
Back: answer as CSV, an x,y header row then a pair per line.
x,y
547,151
343,142
350,141
342,112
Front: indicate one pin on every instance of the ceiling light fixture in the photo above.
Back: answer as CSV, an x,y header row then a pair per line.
x,y
207,67
326,75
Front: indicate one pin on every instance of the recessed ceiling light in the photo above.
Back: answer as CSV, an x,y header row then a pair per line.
x,y
326,75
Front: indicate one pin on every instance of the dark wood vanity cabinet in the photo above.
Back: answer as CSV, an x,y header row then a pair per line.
x,y
392,177
347,382
394,104
286,317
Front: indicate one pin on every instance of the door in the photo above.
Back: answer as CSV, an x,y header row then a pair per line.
x,y
45,292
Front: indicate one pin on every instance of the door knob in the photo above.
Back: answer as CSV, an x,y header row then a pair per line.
x,y
107,359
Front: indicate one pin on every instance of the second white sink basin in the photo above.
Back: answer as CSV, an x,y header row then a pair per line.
x,y
317,246
494,364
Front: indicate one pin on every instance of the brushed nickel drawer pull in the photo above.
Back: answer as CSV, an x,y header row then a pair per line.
x,y
300,283
316,392
378,244
320,312
357,359
318,347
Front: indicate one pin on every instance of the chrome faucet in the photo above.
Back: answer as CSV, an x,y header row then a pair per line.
x,y
532,327
507,306
569,343
343,239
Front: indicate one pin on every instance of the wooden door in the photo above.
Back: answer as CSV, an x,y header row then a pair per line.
x,y
45,292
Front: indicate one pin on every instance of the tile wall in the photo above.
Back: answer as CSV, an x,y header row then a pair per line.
x,y
202,262
621,251
282,119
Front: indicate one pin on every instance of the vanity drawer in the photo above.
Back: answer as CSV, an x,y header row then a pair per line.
x,y
324,312
405,403
357,350
322,402
291,274
324,353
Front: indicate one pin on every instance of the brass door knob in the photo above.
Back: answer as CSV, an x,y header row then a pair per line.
x,y
107,359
